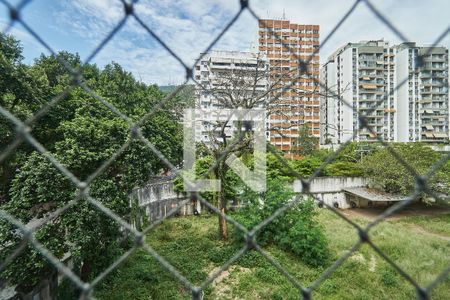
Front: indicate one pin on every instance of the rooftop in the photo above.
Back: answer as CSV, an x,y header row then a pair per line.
x,y
372,194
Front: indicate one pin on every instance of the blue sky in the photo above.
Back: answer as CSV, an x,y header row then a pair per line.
x,y
188,26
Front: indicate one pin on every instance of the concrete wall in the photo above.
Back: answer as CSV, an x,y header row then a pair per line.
x,y
46,289
329,189
158,198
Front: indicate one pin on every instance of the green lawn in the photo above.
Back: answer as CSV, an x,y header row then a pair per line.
x,y
192,246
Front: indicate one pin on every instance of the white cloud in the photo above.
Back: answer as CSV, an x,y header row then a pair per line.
x,y
188,27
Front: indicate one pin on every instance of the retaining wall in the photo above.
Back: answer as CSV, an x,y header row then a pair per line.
x,y
158,198
329,189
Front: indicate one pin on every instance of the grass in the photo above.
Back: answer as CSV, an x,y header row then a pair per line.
x,y
436,224
192,246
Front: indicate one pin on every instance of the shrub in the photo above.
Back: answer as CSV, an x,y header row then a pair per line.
x,y
301,234
307,241
247,220
296,230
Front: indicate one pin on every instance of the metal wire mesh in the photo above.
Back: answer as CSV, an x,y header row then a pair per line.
x,y
24,134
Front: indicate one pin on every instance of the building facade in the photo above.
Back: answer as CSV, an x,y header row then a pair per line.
x,y
403,102
229,80
423,100
294,89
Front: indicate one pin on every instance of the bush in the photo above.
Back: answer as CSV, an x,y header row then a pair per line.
x,y
300,233
296,230
247,220
307,241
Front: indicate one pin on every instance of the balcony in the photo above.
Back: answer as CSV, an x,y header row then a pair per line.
x,y
434,59
371,82
435,135
371,91
434,82
433,91
440,74
434,67
368,86
371,67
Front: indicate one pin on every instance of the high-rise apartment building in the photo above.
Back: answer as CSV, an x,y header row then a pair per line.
x,y
294,90
402,102
230,80
423,100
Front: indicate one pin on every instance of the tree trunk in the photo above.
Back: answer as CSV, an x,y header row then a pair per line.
x,y
222,202
223,228
85,270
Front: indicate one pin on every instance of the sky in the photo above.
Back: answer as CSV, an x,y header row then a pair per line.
x,y
189,26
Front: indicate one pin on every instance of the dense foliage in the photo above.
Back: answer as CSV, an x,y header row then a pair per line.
x,y
389,174
306,143
296,230
81,133
376,162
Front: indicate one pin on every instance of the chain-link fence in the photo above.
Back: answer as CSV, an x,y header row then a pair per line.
x,y
24,135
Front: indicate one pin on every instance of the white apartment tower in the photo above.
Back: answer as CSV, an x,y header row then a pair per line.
x,y
231,80
404,101
423,100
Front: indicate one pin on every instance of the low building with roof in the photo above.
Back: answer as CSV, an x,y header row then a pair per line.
x,y
369,197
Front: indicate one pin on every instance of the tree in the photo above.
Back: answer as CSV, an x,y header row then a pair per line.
x,y
306,166
82,134
248,86
343,168
390,175
21,91
240,88
184,98
306,143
